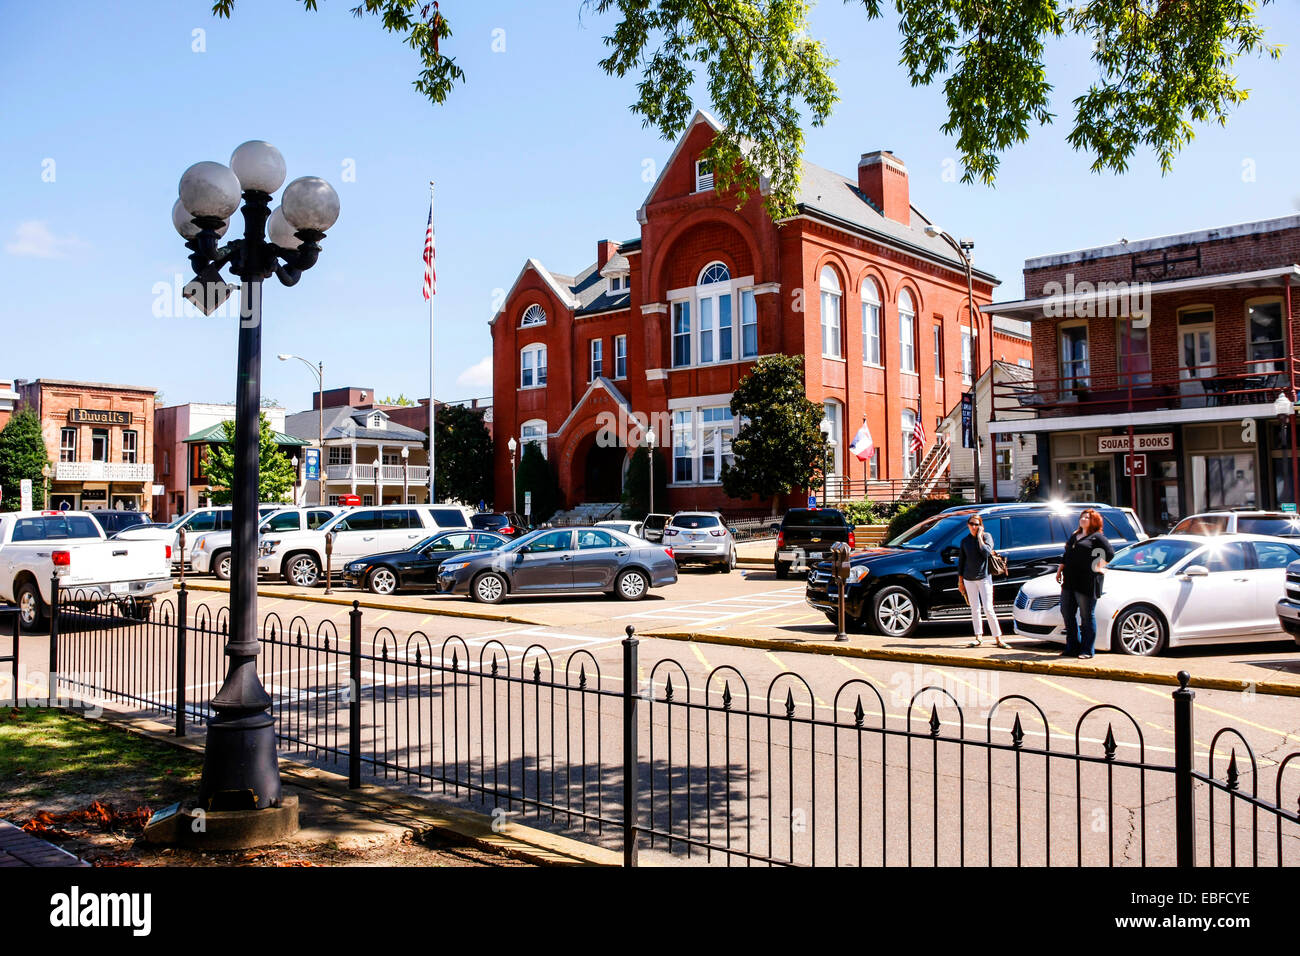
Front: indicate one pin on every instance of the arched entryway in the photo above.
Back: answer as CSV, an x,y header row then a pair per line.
x,y
603,473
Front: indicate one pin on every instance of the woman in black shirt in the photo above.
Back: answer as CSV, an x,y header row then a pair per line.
x,y
1080,576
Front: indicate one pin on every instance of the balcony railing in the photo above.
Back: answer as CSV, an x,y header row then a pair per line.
x,y
102,471
1254,382
389,474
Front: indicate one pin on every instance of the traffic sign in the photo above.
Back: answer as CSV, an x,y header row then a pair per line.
x,y
25,494
1135,466
528,503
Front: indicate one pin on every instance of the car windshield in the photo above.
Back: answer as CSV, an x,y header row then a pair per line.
x,y
937,530
695,521
1287,526
1152,557
805,518
1202,524
177,522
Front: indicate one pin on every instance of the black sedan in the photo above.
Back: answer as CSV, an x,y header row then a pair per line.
x,y
559,561
417,566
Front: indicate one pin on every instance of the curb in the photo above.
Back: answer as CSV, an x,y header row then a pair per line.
x,y
376,605
1058,668
467,826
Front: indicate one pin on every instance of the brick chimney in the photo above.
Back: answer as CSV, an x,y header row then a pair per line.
x,y
882,177
605,250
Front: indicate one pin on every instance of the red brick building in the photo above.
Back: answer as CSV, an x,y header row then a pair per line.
x,y
659,329
1174,350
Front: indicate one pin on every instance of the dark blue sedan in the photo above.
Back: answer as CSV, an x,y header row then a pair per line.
x,y
417,566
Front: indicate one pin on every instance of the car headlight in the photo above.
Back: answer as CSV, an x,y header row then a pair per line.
x,y
356,567
268,545
455,566
200,545
857,573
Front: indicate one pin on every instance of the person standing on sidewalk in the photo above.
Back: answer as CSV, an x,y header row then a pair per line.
x,y
1080,575
975,580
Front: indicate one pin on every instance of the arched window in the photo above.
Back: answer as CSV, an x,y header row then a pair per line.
x,y
870,323
832,416
713,311
533,433
906,332
910,459
830,314
714,272
532,366
533,315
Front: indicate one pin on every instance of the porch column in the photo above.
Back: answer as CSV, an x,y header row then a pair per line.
x,y
352,468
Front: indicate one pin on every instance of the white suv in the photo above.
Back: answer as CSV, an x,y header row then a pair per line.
x,y
195,522
211,551
299,556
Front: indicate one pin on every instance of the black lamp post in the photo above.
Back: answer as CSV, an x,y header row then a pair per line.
x,y
239,768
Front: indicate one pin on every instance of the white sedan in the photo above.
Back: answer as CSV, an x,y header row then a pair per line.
x,y
1174,590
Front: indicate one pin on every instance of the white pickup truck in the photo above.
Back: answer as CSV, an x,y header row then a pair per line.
x,y
36,546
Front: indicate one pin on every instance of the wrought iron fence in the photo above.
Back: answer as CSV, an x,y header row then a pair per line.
x,y
713,771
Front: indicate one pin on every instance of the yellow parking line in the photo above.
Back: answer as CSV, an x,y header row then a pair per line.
x,y
699,654
777,661
1091,700
1235,717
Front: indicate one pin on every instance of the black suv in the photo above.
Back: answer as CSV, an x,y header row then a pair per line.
x,y
806,535
913,578
114,520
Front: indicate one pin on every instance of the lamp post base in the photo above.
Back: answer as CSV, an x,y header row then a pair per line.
x,y
240,767
223,829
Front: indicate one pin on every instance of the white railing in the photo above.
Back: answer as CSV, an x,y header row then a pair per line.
x,y
102,471
389,474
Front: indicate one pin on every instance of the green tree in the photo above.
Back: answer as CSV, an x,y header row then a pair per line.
x,y
1161,66
275,478
636,486
535,474
22,455
401,401
780,445
463,459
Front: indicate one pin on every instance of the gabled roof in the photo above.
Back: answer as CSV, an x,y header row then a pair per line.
x,y
345,422
600,382
217,434
557,283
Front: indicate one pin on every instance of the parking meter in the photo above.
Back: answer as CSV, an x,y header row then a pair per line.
x,y
840,555
329,561
180,543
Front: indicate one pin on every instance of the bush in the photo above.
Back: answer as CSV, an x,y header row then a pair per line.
x,y
861,512
914,514
536,475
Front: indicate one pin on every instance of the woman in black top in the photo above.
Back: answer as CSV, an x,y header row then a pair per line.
x,y
1080,576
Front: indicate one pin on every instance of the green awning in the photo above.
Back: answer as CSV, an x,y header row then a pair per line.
x,y
216,434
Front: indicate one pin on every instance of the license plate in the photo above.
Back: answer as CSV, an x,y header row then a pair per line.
x,y
816,554
695,537
121,588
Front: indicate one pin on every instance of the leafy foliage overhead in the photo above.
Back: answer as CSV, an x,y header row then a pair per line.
x,y
1161,66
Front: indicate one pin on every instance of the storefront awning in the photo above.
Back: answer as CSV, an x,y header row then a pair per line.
x,y
1099,298
216,434
1164,416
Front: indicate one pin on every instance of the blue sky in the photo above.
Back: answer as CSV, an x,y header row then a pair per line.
x,y
536,155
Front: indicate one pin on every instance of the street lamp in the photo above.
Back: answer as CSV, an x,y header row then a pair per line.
x,y
650,455
964,248
240,769
514,488
406,453
319,371
826,457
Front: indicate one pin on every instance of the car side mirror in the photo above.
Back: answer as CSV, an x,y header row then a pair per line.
x,y
949,555
1195,571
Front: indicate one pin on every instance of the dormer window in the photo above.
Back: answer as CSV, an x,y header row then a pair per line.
x,y
377,420
619,282
533,315
703,176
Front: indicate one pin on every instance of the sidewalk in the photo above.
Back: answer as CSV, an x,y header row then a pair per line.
x,y
19,848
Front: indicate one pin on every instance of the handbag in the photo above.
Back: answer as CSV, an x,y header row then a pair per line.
x,y
997,565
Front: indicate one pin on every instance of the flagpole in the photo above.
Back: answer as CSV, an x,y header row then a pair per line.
x,y
433,412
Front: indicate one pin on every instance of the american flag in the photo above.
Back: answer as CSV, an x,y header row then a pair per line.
x,y
918,436
430,276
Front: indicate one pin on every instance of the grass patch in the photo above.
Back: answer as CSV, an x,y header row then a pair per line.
x,y
44,751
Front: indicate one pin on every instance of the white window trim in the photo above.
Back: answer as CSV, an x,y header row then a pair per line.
x,y
915,369
533,325
690,294
595,347
537,347
700,185
617,340
880,323
542,444
694,405
838,293
939,363
966,354
1060,353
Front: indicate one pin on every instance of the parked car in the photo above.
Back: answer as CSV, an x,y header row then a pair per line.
x,y
1175,590
634,528
211,552
298,557
195,522
36,546
1280,524
501,522
1288,605
652,527
417,566
559,561
806,534
893,588
113,520
701,537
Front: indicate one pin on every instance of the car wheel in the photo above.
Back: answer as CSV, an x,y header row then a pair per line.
x,y
731,560
301,569
221,566
31,608
1139,631
382,581
631,585
894,612
782,569
489,588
